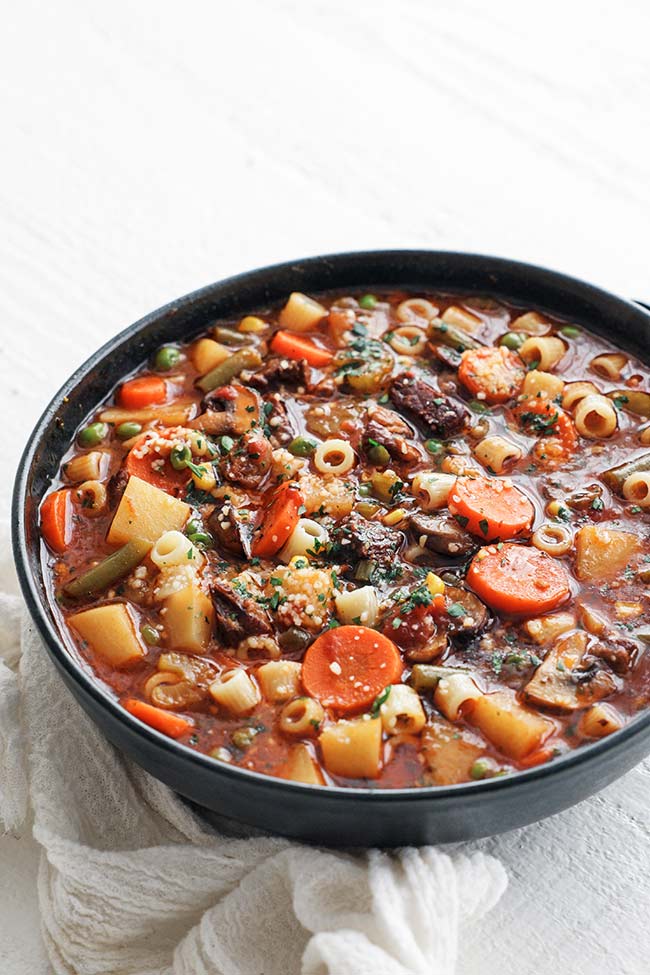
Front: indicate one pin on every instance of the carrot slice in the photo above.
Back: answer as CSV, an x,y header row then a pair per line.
x,y
143,391
518,579
490,507
163,476
348,666
56,524
494,374
539,757
558,436
280,519
297,347
164,721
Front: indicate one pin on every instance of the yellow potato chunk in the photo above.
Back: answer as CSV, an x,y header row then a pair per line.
x,y
449,752
511,728
206,354
301,313
146,512
189,615
352,749
110,632
301,767
603,553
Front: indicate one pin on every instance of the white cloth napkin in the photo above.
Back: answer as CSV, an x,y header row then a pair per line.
x,y
132,883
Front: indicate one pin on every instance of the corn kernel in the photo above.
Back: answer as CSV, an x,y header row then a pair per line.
x,y
205,480
251,323
435,585
553,508
394,517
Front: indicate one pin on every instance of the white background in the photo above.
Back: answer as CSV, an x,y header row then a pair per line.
x,y
149,148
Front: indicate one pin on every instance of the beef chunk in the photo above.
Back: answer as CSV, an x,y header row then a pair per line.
x,y
369,540
474,616
442,534
248,462
437,414
278,371
237,616
117,486
385,427
281,427
411,627
617,651
233,528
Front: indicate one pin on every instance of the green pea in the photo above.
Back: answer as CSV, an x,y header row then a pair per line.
x,y
476,406
166,358
368,302
512,340
150,635
93,434
364,490
302,447
480,769
129,429
378,455
180,456
570,331
201,539
433,446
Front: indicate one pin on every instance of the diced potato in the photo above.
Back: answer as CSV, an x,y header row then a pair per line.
x,y
511,728
206,354
301,767
110,632
279,679
600,720
146,512
545,629
461,319
352,749
189,615
603,553
301,313
551,685
449,752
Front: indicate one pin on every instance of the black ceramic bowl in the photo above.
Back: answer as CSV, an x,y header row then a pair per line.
x,y
343,817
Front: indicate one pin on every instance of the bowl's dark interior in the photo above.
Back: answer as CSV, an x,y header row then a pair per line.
x,y
326,815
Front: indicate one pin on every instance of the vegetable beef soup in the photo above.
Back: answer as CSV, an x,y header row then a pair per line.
x,y
382,540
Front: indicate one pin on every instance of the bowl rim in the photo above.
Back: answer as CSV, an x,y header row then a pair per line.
x,y
565,763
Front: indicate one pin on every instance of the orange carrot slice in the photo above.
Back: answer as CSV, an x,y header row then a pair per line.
x,y
558,436
490,507
138,463
495,375
142,391
518,579
297,347
348,666
280,519
56,523
169,724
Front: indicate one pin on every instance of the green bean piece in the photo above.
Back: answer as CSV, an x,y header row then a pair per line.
x,y
476,406
367,302
364,570
433,446
228,336
425,677
570,331
378,455
450,335
615,477
93,434
102,576
222,374
166,358
302,447
481,769
129,429
367,508
512,340
150,635
294,639
180,457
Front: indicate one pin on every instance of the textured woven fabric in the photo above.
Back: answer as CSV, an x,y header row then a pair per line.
x,y
132,883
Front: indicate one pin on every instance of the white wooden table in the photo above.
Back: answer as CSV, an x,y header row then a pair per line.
x,y
151,148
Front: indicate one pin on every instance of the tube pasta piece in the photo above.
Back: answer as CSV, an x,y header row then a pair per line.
x,y
408,340
416,309
497,454
146,512
302,767
92,497
453,692
538,383
554,539
308,538
334,457
532,323
636,488
235,691
600,720
462,319
111,633
514,730
544,350
402,711
301,313
357,606
174,548
86,467
574,392
431,489
545,629
595,417
301,718
279,680
352,748
609,366
188,618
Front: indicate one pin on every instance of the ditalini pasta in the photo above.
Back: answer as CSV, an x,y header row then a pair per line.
x,y
391,539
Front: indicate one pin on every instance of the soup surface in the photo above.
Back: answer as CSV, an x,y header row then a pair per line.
x,y
386,540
